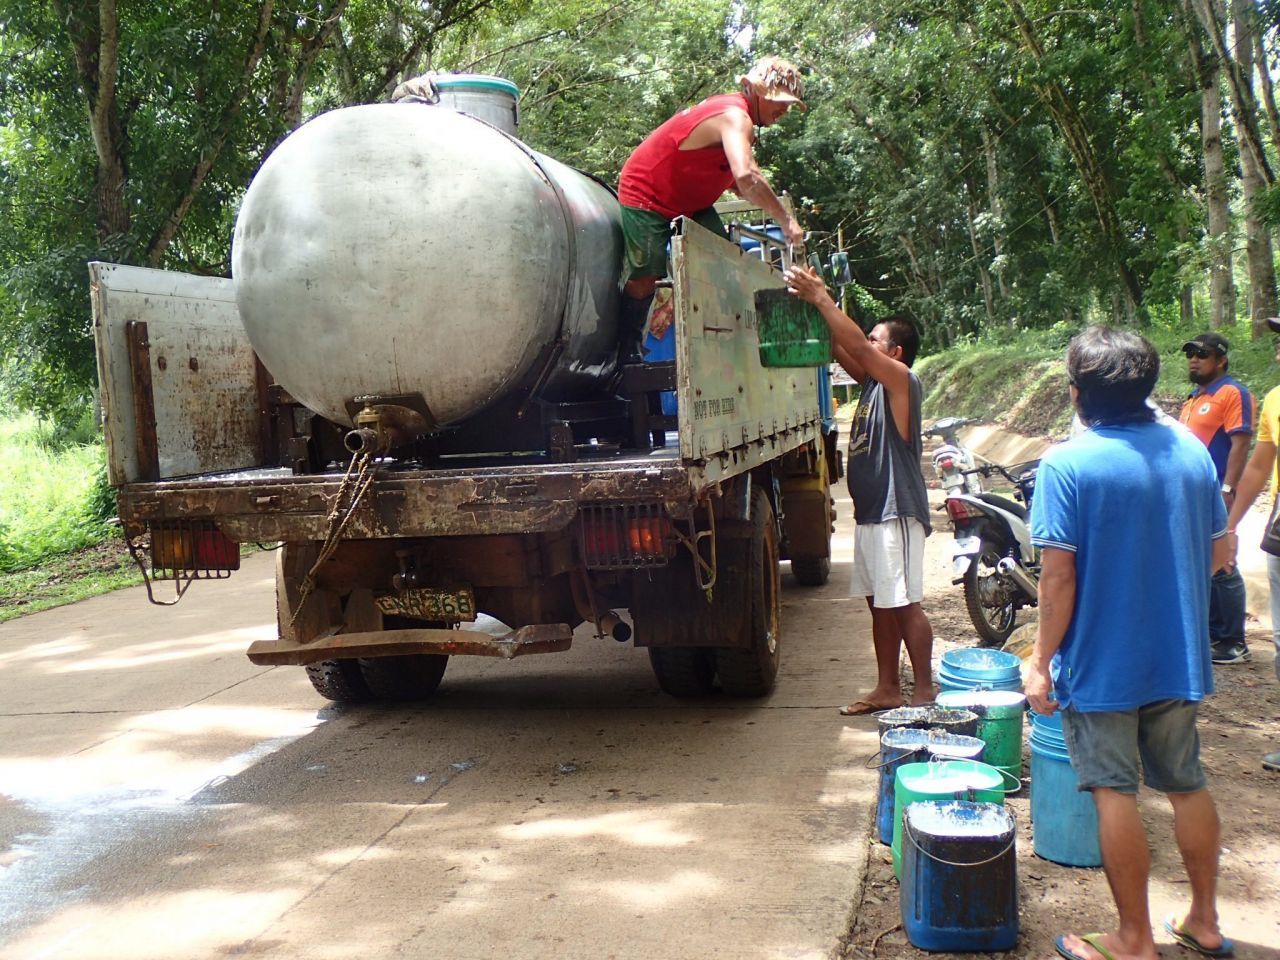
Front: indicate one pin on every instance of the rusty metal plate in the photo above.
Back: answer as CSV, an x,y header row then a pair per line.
x,y
201,368
450,606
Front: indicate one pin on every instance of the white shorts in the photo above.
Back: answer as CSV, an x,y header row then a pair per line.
x,y
888,562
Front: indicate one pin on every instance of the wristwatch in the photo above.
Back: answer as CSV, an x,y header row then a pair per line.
x,y
1228,490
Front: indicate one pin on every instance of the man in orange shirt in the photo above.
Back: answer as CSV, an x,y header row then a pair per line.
x,y
1220,413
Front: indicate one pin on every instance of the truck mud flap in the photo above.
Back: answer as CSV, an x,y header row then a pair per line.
x,y
535,638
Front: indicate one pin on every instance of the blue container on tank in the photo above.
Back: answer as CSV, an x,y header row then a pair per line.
x,y
959,890
1064,820
907,745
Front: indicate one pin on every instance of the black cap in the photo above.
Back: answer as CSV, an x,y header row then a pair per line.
x,y
1213,342
1274,324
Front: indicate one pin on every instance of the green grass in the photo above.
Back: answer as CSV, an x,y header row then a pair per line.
x,y
53,495
67,578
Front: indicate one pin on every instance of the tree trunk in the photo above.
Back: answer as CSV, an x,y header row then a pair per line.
x,y
95,42
1075,133
1255,177
213,149
1222,288
984,276
1268,88
995,206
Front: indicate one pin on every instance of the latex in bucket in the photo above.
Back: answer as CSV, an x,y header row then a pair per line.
x,y
1000,715
961,722
959,889
906,745
1064,820
944,780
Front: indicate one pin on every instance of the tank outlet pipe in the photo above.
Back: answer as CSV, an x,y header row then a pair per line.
x,y
361,440
370,435
1010,568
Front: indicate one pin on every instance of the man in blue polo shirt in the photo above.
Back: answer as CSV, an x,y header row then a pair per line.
x,y
1219,412
1131,522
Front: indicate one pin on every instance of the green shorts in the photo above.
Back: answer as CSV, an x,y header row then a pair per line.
x,y
645,235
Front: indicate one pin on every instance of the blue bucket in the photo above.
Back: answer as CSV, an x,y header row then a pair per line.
x,y
959,888
901,745
981,666
1064,820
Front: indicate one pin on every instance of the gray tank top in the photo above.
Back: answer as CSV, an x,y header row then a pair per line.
x,y
884,474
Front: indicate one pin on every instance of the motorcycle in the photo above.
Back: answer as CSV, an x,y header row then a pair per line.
x,y
953,462
993,556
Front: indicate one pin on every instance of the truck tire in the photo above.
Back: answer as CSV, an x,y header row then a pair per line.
x,y
338,680
811,571
413,676
750,670
683,672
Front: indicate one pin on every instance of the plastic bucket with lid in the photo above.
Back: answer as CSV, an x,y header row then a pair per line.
x,y
907,745
1000,715
959,888
1064,820
945,780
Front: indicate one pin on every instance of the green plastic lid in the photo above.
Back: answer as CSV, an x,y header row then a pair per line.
x,y
476,81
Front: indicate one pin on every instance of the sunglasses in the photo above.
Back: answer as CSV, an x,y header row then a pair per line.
x,y
1199,354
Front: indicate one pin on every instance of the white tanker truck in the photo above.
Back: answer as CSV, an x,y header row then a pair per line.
x,y
410,384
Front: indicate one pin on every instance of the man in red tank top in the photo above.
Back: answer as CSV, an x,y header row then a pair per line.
x,y
682,168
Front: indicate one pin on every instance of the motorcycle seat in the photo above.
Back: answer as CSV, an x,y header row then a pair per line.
x,y
1004,503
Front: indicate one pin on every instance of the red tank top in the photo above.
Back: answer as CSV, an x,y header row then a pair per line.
x,y
661,177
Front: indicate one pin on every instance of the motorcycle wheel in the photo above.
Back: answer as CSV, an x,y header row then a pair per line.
x,y
993,620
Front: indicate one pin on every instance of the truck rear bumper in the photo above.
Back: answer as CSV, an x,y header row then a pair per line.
x,y
408,503
535,638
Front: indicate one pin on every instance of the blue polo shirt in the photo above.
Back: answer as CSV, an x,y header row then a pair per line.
x,y
1139,505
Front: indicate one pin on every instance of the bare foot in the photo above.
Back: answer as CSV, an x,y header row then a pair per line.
x,y
923,695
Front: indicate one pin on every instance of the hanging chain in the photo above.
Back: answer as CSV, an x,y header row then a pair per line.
x,y
355,483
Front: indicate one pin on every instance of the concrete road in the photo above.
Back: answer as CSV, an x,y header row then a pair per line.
x,y
161,797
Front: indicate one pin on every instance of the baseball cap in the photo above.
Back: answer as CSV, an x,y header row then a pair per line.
x,y
1273,324
1213,342
777,79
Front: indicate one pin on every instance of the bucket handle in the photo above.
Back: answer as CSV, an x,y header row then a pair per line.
x,y
870,763
906,829
1004,775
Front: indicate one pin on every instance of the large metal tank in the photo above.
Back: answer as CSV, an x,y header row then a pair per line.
x,y
401,249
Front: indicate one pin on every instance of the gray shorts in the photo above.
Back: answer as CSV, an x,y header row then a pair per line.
x,y
1106,747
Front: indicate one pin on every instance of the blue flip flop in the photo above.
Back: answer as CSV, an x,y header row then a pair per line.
x,y
1226,949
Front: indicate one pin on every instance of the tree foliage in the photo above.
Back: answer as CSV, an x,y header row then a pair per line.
x,y
991,165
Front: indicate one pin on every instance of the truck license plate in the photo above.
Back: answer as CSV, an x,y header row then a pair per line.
x,y
427,604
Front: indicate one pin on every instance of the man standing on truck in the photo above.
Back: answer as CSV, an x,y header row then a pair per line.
x,y
890,502
682,168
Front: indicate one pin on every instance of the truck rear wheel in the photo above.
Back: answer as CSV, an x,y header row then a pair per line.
x,y
338,680
750,670
811,571
683,672
413,676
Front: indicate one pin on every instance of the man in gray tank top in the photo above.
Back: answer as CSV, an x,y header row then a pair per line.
x,y
890,503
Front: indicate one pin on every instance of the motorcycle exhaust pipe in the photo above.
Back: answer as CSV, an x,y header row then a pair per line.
x,y
1010,568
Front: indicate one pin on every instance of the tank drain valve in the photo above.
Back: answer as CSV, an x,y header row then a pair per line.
x,y
370,435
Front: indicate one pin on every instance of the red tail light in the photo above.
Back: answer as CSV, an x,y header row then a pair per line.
x,y
958,509
946,463
191,549
617,536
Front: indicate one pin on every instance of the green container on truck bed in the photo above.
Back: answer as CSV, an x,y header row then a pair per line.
x,y
792,332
